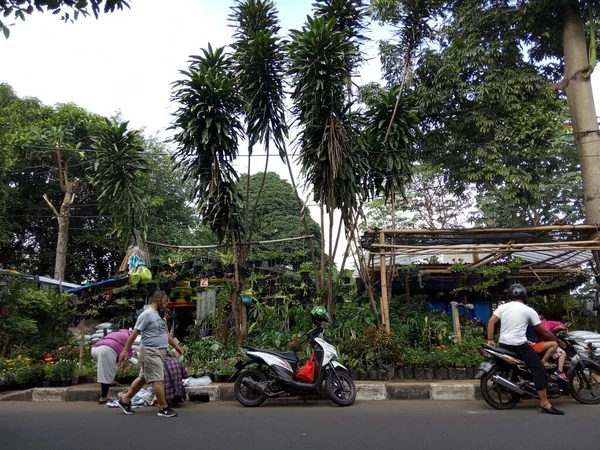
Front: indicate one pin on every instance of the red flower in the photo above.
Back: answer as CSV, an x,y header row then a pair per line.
x,y
4,311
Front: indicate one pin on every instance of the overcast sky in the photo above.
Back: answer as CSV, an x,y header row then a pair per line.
x,y
126,61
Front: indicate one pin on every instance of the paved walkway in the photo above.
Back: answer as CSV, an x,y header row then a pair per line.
x,y
366,390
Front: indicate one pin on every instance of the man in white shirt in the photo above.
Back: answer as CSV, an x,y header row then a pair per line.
x,y
514,318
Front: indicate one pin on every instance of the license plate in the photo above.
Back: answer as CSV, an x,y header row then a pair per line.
x,y
485,366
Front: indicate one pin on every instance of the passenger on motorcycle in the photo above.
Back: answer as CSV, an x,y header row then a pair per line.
x,y
514,317
560,355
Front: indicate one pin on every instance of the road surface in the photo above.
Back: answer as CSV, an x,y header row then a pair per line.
x,y
406,425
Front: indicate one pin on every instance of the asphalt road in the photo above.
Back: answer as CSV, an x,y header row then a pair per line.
x,y
406,425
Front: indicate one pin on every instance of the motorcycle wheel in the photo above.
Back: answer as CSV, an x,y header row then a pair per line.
x,y
498,397
340,390
244,394
585,386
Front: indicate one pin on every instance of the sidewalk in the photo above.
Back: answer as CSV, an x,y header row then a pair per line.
x,y
221,392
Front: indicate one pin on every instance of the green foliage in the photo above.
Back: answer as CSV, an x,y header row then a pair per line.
x,y
69,10
259,60
208,127
32,319
318,66
119,163
280,216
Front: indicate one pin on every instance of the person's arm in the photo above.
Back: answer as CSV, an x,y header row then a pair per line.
x,y
544,333
174,344
490,329
125,353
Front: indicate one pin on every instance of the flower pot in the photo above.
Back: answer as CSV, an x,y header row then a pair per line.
x,y
399,373
155,262
46,383
209,273
441,373
65,383
409,372
428,373
419,373
188,264
193,284
452,373
471,373
372,374
228,268
461,373
305,276
515,270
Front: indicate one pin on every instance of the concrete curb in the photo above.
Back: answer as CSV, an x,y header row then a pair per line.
x,y
365,391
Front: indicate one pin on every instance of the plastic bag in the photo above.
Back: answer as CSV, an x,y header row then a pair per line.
x,y
307,373
201,381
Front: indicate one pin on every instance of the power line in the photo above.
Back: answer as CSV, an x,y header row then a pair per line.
x,y
383,152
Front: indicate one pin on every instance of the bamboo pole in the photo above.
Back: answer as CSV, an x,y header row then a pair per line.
x,y
488,230
384,288
479,247
516,250
456,322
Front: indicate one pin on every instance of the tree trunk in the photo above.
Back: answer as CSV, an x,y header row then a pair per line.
x,y
69,188
580,97
240,317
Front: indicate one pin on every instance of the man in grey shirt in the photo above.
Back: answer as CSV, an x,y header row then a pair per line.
x,y
155,341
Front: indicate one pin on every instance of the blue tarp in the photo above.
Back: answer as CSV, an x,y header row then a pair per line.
x,y
81,288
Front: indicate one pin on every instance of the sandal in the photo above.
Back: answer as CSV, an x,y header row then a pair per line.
x,y
552,410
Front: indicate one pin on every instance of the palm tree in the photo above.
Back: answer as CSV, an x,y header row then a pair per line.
x,y
319,58
117,168
208,128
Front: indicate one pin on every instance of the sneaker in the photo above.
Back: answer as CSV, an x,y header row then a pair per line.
x,y
561,375
126,407
166,412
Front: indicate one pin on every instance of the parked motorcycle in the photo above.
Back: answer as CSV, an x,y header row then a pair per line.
x,y
273,373
506,380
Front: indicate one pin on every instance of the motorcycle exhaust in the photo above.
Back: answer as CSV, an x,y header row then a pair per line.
x,y
507,384
251,384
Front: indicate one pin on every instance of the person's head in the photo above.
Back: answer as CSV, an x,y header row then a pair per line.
x,y
542,317
517,292
159,302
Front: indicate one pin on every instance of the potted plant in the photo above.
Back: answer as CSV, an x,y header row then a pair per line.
x,y
228,260
305,269
515,264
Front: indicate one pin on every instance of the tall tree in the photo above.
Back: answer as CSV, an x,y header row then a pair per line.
x,y
319,69
208,127
118,165
69,9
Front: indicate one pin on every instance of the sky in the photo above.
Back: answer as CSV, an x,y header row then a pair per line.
x,y
126,61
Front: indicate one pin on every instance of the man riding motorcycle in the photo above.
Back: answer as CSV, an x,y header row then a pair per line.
x,y
514,317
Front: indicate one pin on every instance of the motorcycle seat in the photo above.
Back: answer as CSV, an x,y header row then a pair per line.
x,y
502,350
289,356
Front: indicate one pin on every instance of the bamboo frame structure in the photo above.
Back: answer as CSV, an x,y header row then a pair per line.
x,y
562,250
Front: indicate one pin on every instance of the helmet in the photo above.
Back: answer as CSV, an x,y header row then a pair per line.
x,y
517,292
320,314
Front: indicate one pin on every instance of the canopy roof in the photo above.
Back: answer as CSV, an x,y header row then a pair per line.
x,y
562,247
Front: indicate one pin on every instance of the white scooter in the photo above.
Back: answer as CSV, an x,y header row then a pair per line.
x,y
273,373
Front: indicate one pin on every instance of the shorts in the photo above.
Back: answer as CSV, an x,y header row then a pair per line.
x,y
538,347
151,364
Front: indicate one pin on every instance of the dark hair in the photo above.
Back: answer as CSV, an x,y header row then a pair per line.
x,y
158,296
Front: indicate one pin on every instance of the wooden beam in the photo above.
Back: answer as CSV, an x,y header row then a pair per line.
x,y
487,230
492,247
516,250
385,314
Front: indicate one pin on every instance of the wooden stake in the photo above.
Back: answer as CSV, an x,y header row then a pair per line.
x,y
385,314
